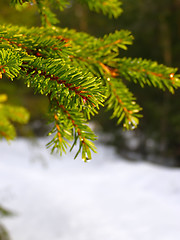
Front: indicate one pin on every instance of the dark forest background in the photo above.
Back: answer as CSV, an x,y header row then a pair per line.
x,y
155,25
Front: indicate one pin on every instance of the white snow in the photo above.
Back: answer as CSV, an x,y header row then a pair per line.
x,y
107,199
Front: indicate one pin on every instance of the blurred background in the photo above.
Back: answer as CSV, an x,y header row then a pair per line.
x,y
155,25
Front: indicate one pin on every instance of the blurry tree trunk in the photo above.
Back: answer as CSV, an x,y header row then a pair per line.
x,y
176,10
81,14
166,45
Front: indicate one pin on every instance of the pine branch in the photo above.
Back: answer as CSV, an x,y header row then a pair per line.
x,y
32,42
68,84
61,4
21,2
122,101
112,42
5,212
48,18
10,63
112,8
70,124
67,87
146,72
77,72
9,113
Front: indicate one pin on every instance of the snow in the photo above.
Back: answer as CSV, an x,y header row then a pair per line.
x,y
106,199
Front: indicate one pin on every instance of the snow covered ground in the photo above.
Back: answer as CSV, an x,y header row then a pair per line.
x,y
106,199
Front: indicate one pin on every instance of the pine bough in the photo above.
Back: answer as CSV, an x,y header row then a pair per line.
x,y
77,72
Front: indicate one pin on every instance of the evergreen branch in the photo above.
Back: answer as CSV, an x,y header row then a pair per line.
x,y
7,130
109,71
10,63
113,41
68,84
150,73
16,2
70,124
10,113
5,212
62,133
84,45
123,104
61,4
57,43
48,18
21,39
75,70
112,8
